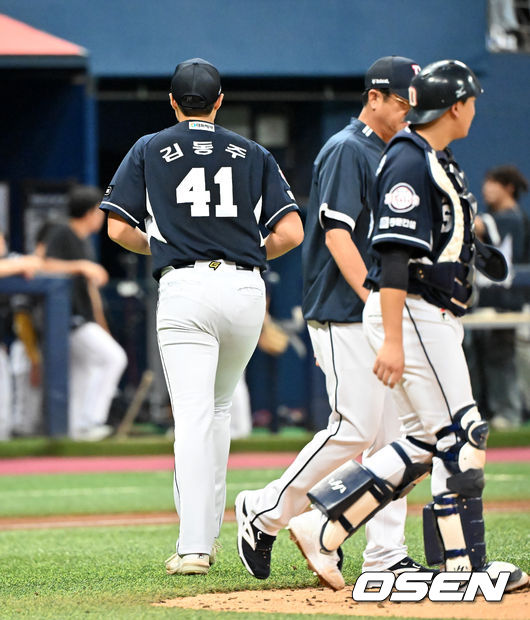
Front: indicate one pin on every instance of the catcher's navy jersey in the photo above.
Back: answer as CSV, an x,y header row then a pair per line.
x,y
422,201
203,192
341,190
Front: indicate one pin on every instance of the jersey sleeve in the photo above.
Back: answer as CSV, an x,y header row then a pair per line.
x,y
341,192
403,212
277,197
126,193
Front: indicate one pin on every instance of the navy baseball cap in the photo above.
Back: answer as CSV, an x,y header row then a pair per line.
x,y
392,72
196,84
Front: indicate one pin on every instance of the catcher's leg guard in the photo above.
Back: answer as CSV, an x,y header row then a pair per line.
x,y
453,533
349,496
453,527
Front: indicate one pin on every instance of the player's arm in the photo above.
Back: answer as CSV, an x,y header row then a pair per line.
x,y
286,234
97,306
348,259
91,271
25,266
129,237
390,362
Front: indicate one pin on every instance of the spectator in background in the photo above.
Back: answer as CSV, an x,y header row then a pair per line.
x,y
25,266
97,361
493,353
504,32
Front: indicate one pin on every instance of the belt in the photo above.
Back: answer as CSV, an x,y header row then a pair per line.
x,y
214,264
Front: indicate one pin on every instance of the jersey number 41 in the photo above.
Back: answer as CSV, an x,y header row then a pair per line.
x,y
192,190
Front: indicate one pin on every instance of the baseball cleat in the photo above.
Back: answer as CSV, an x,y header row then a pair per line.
x,y
253,545
189,564
305,532
215,550
518,578
408,565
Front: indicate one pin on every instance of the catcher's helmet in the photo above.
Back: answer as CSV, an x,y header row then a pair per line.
x,y
437,86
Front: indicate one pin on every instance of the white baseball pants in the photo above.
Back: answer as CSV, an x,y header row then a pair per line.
x,y
240,411
435,382
27,398
361,414
208,324
5,395
97,363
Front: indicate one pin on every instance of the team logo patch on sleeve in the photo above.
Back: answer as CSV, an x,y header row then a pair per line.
x,y
402,198
108,191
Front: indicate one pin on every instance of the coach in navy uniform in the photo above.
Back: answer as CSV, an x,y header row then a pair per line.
x,y
204,194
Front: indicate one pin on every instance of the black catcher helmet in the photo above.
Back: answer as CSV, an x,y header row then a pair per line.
x,y
437,86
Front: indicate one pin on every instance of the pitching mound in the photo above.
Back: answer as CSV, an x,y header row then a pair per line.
x,y
514,606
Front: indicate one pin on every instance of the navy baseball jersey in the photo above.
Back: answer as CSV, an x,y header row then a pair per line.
x,y
423,202
203,192
341,195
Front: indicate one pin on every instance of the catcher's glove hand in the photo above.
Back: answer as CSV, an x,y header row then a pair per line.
x,y
273,339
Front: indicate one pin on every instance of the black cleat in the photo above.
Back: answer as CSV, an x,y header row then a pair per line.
x,y
253,545
408,565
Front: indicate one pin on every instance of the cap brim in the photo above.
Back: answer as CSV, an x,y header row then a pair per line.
x,y
417,117
402,92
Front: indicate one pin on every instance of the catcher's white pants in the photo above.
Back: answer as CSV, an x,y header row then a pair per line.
x,y
361,414
208,324
435,381
97,363
5,395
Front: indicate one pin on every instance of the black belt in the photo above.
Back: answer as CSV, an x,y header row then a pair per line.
x,y
243,267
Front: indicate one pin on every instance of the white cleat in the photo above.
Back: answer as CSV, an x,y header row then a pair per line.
x,y
189,564
305,532
518,578
215,550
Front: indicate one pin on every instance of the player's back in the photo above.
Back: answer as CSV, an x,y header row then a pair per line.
x,y
204,189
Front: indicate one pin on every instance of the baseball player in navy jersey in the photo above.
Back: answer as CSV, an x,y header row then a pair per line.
x,y
334,262
203,193
421,283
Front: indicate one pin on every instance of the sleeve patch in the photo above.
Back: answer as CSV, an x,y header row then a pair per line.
x,y
387,222
402,198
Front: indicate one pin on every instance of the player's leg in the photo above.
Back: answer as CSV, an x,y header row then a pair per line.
x,y
385,533
242,297
356,401
27,398
240,411
191,313
448,424
101,361
5,395
428,411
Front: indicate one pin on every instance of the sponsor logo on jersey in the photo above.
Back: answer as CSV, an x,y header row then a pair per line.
x,y
108,191
396,222
416,586
201,125
402,198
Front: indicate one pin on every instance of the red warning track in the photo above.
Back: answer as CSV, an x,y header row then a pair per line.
x,y
257,460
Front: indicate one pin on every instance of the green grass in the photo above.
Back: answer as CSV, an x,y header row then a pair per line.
x,y
151,491
118,572
288,440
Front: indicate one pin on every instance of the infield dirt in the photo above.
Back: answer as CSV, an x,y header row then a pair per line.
x,y
515,606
